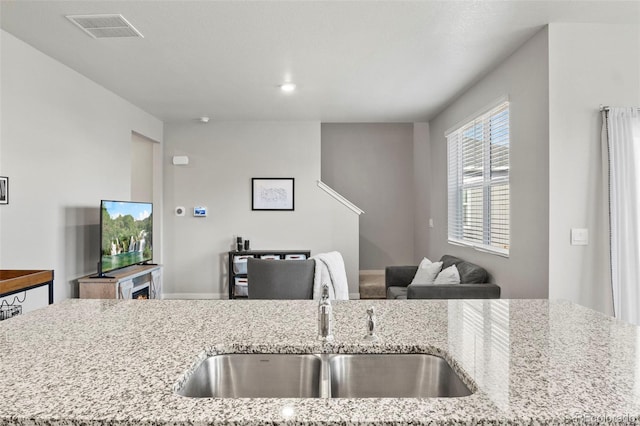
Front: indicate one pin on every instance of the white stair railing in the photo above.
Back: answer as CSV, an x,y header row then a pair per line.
x,y
326,188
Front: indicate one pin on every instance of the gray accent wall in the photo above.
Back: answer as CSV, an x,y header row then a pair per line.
x,y
66,144
371,164
223,157
523,77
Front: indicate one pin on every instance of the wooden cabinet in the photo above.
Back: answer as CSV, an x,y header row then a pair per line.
x,y
238,283
134,282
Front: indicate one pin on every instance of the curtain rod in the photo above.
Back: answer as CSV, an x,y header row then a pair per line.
x,y
607,108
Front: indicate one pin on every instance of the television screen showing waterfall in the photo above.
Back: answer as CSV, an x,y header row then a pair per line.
x,y
126,229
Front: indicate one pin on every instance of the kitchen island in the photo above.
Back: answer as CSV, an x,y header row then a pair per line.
x,y
118,362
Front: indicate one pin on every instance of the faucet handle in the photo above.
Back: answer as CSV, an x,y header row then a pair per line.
x,y
371,325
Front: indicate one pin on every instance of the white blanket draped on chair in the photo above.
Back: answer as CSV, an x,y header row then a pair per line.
x,y
330,270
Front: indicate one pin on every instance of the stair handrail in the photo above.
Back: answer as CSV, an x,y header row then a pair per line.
x,y
340,198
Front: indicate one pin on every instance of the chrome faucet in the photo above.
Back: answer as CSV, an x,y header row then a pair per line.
x,y
325,320
371,325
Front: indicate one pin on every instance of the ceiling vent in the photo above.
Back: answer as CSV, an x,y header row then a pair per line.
x,y
105,26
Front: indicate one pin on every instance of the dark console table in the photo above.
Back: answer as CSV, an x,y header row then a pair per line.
x,y
17,280
237,268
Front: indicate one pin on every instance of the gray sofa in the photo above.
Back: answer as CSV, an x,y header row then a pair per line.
x,y
473,283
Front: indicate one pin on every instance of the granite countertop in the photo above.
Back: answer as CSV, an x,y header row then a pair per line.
x,y
116,362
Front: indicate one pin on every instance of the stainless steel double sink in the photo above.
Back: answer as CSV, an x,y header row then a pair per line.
x,y
324,376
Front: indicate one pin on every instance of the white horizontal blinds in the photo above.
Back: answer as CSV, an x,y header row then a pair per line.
x,y
472,182
454,155
499,179
479,181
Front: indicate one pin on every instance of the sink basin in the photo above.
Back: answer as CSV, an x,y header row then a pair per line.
x,y
256,376
324,376
393,376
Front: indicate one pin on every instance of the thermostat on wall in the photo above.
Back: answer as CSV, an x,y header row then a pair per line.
x,y
199,211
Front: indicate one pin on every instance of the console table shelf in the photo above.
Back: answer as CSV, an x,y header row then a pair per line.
x,y
239,274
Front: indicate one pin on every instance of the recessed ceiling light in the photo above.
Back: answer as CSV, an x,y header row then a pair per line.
x,y
204,119
288,87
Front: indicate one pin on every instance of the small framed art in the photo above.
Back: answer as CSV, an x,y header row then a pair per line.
x,y
272,194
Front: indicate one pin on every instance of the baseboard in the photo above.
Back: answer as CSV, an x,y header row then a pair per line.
x,y
372,272
195,296
354,296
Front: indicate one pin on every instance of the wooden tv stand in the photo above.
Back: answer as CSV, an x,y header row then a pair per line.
x,y
124,283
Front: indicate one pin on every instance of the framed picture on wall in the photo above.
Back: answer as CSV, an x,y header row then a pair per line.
x,y
272,194
4,190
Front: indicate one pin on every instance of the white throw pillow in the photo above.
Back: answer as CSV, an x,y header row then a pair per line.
x,y
424,263
426,274
448,275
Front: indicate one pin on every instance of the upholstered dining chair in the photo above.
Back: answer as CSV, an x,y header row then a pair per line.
x,y
280,279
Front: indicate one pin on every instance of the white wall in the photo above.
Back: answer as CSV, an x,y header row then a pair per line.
x,y
589,65
66,144
523,77
141,168
223,157
370,165
422,184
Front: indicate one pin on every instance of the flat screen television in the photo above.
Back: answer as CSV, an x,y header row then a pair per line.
x,y
126,234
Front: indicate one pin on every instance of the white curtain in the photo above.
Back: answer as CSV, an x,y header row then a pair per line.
x,y
623,143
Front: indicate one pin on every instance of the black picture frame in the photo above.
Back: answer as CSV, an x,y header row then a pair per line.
x,y
272,194
4,190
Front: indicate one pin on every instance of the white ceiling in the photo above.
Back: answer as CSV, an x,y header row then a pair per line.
x,y
368,61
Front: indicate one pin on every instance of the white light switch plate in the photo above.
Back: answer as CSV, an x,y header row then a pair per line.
x,y
579,236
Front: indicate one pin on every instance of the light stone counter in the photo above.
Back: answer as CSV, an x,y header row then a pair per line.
x,y
96,362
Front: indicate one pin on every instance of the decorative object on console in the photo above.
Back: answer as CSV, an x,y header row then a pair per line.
x,y
272,194
239,243
4,190
473,282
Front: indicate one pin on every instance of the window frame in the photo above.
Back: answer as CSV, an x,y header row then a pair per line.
x,y
457,188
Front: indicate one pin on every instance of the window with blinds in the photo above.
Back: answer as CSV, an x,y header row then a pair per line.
x,y
478,164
